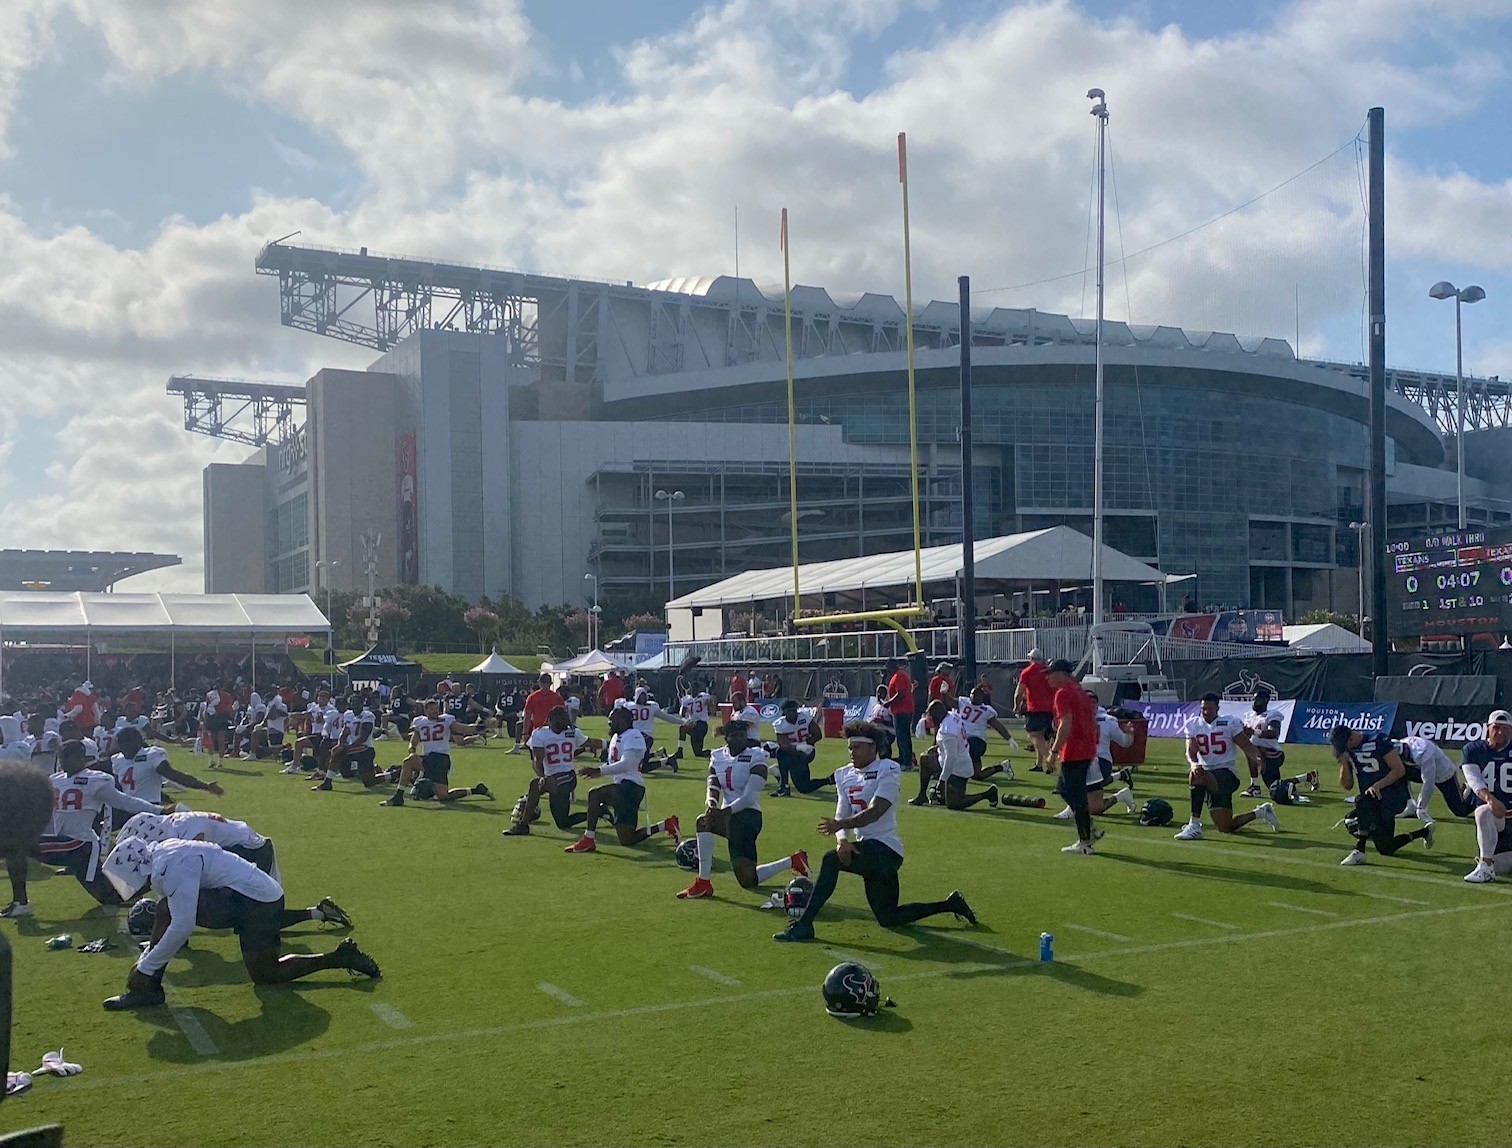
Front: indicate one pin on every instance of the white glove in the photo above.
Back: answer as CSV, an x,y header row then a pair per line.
x,y
17,1082
53,1064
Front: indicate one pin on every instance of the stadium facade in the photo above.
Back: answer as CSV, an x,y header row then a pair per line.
x,y
515,429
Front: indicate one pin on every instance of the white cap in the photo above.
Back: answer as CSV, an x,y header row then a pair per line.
x,y
1036,655
86,686
91,749
1499,717
129,867
147,826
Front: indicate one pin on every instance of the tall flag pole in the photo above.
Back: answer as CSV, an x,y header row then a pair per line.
x,y
787,327
913,422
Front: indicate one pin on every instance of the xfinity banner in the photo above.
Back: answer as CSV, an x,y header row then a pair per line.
x,y
1312,720
1169,719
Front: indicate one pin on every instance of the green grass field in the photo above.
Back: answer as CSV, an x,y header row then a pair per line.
x,y
310,661
1240,990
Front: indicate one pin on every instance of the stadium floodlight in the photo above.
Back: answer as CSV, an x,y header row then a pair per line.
x,y
1444,289
594,613
670,497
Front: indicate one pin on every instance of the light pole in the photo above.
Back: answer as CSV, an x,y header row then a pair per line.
x,y
330,653
1361,529
1471,294
671,496
594,613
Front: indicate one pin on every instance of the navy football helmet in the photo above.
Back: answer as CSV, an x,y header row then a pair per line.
x,y
851,991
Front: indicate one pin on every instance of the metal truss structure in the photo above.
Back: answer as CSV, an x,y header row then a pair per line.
x,y
254,413
1488,402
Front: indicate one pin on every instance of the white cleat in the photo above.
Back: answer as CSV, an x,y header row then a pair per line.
x,y
1267,814
1428,831
1356,857
1411,812
15,910
1083,848
1125,796
1481,874
1190,832
1065,814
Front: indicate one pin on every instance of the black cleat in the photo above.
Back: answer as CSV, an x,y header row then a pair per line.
x,y
396,800
992,796
334,913
136,998
481,790
956,903
920,800
797,931
782,791
1127,777
323,787
520,830
673,759
354,960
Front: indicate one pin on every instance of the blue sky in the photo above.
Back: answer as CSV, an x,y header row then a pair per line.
x,y
147,154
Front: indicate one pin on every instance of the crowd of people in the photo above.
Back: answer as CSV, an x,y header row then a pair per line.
x,y
99,768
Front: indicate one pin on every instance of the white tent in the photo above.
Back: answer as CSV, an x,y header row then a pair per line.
x,y
1324,638
1056,554
593,662
31,614
493,664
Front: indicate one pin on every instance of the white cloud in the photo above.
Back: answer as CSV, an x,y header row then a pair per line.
x,y
742,106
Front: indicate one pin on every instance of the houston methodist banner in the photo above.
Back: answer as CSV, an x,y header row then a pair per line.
x,y
1303,722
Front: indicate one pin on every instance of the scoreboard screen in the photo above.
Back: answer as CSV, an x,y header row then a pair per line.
x,y
1450,583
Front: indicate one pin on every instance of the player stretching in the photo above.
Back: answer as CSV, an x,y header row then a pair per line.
x,y
695,709
552,748
977,714
865,828
950,760
430,755
1435,771
737,771
797,732
141,770
1383,792
1487,766
626,790
202,884
1211,741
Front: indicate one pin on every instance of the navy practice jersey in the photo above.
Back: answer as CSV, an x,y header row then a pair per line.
x,y
1370,766
1493,765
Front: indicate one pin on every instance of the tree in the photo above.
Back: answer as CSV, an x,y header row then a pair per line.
x,y
484,621
579,626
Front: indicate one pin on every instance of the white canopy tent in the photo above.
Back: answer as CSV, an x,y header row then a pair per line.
x,y
1058,554
494,664
1324,638
593,662
27,615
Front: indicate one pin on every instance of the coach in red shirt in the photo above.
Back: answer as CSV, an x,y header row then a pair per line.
x,y
1032,698
900,704
942,686
1075,745
538,704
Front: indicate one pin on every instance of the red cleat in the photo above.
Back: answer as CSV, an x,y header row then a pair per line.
x,y
799,861
672,826
584,844
697,891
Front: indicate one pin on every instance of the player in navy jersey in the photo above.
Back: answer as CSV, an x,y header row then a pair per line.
x,y
1374,761
1487,766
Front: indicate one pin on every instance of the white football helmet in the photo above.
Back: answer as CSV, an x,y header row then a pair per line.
x,y
150,827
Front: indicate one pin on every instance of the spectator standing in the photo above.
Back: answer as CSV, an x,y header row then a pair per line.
x,y
900,704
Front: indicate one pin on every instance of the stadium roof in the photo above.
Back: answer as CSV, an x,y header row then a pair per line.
x,y
1056,554
75,569
43,612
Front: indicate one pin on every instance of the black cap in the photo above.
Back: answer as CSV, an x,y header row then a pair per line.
x,y
1339,738
1211,697
1059,666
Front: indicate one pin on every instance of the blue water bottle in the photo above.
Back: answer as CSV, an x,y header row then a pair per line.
x,y
1047,947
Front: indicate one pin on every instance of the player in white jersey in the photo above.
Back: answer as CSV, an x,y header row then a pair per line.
x,y
742,710
626,790
1212,741
268,735
354,752
1430,766
552,748
140,770
865,829
644,714
80,795
977,715
797,732
44,743
696,709
428,766
202,884
950,761
737,772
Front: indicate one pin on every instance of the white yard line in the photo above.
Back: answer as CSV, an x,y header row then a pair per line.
x,y
391,1016
1389,897
1204,921
562,995
1301,909
187,1022
713,975
1100,933
463,1036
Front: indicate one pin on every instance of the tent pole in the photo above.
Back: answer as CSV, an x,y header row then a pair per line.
x,y
254,661
172,660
